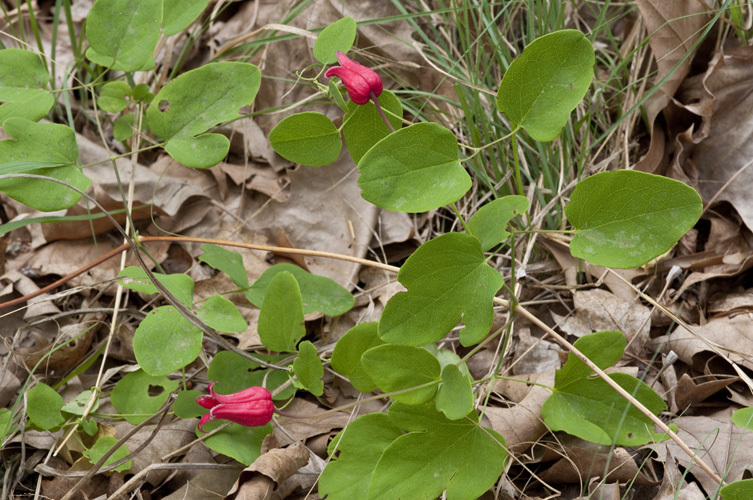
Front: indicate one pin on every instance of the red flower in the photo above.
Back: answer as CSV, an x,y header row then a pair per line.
x,y
362,83
251,407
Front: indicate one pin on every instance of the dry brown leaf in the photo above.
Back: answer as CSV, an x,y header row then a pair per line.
x,y
725,447
674,485
599,310
733,335
301,429
691,391
534,355
268,472
583,461
521,425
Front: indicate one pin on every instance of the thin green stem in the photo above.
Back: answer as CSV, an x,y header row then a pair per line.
x,y
460,217
379,110
518,179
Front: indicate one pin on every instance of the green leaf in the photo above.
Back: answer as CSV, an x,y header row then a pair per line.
x,y
236,441
122,34
179,14
455,396
333,91
398,367
416,169
102,446
42,149
196,101
6,428
626,218
309,369
739,490
43,407
202,151
307,138
317,292
80,404
360,444
165,341
112,97
281,316
590,409
448,281
139,395
337,37
122,129
185,405
546,82
179,284
489,223
222,315
363,126
744,418
346,357
230,263
23,85
458,456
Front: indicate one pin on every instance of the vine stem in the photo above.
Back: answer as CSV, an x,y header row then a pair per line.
x,y
375,100
622,392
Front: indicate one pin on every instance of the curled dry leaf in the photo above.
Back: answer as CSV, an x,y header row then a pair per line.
x,y
269,472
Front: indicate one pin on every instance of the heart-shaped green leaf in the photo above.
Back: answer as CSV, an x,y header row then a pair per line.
x,y
739,490
102,446
222,315
626,218
416,169
230,263
179,284
43,149
165,341
590,409
545,83
122,34
455,396
196,101
337,37
43,406
448,281
139,395
307,138
236,441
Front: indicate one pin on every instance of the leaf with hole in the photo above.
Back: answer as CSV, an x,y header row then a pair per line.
x,y
546,82
122,34
626,218
416,169
139,395
309,369
307,138
448,281
337,37
401,368
186,108
436,455
489,223
230,263
346,358
43,406
112,97
363,126
165,341
47,149
281,316
590,409
23,85
318,293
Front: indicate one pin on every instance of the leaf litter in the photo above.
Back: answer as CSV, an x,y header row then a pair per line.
x,y
697,130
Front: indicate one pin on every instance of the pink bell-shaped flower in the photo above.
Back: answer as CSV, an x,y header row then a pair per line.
x,y
362,83
251,407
